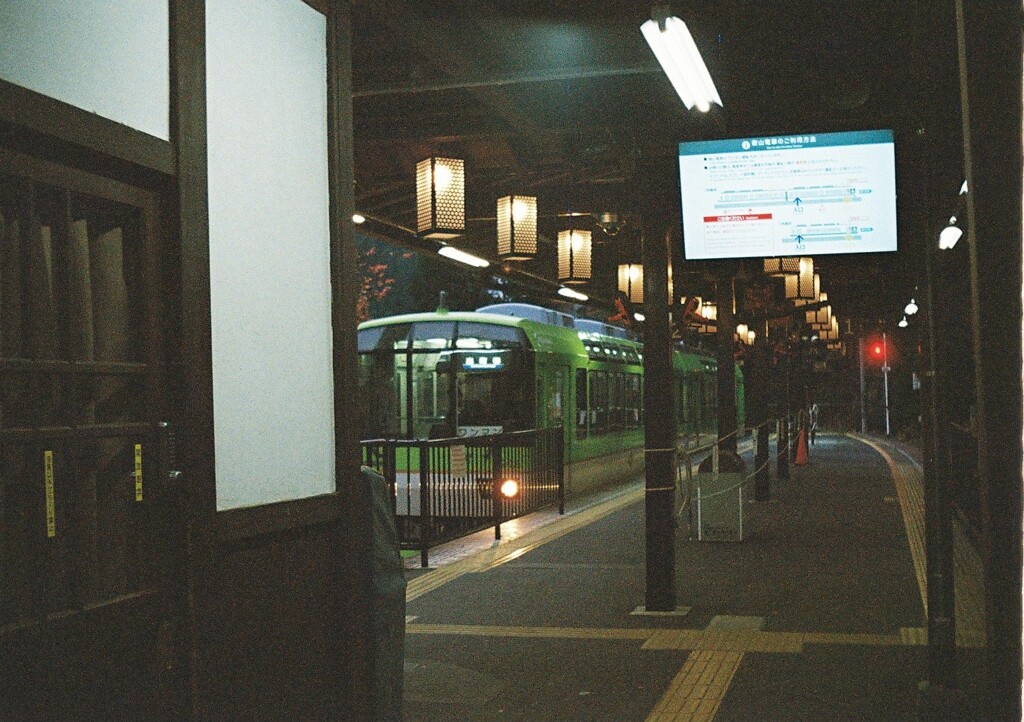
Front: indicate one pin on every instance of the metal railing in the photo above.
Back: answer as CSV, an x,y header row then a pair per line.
x,y
443,489
689,458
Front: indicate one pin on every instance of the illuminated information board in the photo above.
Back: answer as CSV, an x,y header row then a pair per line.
x,y
788,195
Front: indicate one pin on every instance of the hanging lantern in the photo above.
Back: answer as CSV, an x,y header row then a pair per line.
x,y
631,281
517,228
801,286
778,267
741,332
822,316
440,197
709,312
817,293
573,256
831,333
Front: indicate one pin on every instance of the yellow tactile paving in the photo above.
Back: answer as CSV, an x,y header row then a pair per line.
x,y
968,590
535,632
698,640
914,636
697,691
910,491
716,653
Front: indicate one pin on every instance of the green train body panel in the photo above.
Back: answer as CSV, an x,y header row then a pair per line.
x,y
588,382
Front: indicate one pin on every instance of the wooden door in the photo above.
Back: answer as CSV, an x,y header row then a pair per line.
x,y
88,534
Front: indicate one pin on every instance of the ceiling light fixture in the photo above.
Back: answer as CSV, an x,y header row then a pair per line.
x,y
911,308
462,257
573,294
679,57
949,236
358,218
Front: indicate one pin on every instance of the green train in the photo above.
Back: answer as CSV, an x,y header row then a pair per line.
x,y
515,366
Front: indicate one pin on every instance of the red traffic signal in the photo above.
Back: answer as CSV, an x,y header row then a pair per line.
x,y
878,351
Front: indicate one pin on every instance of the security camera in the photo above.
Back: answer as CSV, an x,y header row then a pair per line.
x,y
610,223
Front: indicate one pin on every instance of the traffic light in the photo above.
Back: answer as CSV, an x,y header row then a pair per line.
x,y
878,351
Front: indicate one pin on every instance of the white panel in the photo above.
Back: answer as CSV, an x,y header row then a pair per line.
x,y
105,56
269,251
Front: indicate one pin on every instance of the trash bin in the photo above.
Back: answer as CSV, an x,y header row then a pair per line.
x,y
718,497
387,613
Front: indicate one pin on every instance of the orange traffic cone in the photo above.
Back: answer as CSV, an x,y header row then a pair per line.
x,y
801,449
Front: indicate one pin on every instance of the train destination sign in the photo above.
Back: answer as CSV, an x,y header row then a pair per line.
x,y
788,195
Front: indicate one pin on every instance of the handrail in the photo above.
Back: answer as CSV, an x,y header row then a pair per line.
x,y
689,453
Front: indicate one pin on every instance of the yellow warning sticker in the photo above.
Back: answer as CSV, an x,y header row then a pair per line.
x,y
51,511
138,472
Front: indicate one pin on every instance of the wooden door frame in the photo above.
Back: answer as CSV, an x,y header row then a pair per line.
x,y
177,171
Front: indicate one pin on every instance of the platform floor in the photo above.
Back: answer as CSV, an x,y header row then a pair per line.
x,y
817,614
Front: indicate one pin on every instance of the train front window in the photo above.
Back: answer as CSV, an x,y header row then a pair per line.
x,y
432,335
489,336
434,379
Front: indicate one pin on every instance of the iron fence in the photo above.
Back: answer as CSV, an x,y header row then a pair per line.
x,y
442,489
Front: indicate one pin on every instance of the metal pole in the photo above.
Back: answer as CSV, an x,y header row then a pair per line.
x,y
938,522
726,362
496,470
424,503
863,408
885,379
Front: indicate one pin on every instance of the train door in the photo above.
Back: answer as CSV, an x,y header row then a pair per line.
x,y
87,535
553,396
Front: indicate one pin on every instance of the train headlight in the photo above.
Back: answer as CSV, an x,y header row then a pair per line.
x,y
509,488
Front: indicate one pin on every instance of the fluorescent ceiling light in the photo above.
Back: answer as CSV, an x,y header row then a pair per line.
x,y
358,218
679,57
640,317
576,295
462,257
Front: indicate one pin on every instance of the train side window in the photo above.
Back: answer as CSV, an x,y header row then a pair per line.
x,y
581,403
598,402
631,401
616,404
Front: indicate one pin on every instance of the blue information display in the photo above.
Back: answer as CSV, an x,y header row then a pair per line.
x,y
789,195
